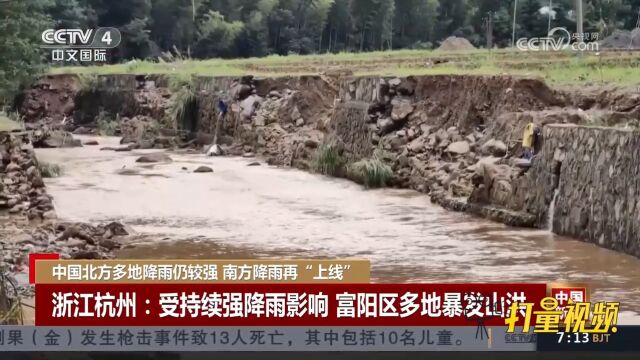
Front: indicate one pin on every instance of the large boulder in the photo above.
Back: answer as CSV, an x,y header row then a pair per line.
x,y
402,108
417,145
215,150
154,158
249,105
492,183
241,91
494,147
203,169
407,87
385,125
459,147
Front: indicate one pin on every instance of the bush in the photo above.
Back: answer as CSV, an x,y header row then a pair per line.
x,y
327,160
184,108
87,83
49,170
106,125
372,173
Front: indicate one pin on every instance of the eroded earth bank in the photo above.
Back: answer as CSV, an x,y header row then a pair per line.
x,y
455,138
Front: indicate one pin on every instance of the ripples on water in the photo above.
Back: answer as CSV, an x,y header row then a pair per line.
x,y
265,212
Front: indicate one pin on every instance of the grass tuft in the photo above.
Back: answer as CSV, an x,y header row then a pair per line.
x,y
87,82
372,173
327,160
185,102
49,170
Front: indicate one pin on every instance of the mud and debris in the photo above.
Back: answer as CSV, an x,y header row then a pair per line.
x,y
454,43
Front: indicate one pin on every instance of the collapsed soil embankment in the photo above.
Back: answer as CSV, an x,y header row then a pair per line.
x,y
456,138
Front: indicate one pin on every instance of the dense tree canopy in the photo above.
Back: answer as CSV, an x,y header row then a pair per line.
x,y
240,28
20,57
244,28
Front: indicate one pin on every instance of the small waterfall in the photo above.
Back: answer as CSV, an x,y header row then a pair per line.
x,y
552,210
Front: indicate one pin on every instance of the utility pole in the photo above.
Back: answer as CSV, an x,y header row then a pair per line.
x,y
488,23
579,21
550,11
513,33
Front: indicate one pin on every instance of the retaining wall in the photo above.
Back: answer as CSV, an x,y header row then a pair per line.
x,y
596,172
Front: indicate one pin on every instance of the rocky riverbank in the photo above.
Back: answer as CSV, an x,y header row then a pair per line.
x,y
28,222
456,138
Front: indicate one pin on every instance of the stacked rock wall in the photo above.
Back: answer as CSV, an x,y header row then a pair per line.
x,y
596,172
22,190
350,122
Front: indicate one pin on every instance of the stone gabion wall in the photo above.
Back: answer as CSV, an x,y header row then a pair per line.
x,y
597,175
350,122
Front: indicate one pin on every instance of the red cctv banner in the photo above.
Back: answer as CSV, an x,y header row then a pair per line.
x,y
280,304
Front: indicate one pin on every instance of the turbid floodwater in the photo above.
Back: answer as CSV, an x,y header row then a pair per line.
x,y
242,211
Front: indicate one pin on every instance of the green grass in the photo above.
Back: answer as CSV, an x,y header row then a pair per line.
x,y
576,74
87,82
372,173
184,100
191,67
49,170
562,67
6,124
327,160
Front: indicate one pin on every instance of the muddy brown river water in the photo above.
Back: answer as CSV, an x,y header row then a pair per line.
x,y
266,212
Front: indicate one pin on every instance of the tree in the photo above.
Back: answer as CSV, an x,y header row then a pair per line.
x,y
262,27
531,22
215,35
338,27
178,13
67,14
21,26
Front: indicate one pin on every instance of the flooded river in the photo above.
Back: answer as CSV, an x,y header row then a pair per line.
x,y
242,211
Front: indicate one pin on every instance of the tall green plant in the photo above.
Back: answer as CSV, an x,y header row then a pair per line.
x,y
185,102
327,160
48,170
372,173
87,82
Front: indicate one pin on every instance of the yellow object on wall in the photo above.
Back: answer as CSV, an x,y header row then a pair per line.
x,y
527,137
